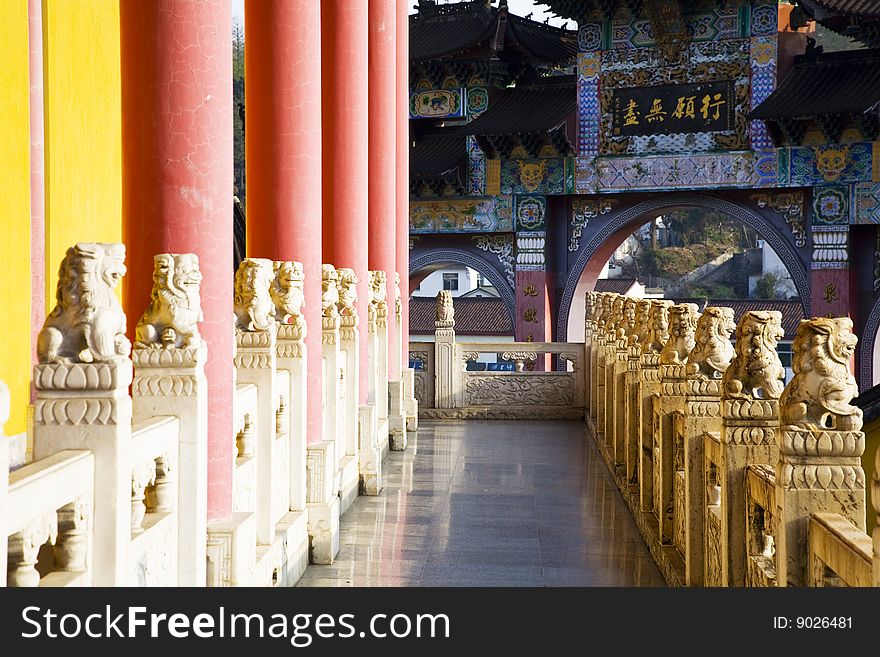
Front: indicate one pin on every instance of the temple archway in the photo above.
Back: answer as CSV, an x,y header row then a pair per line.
x,y
433,259
608,234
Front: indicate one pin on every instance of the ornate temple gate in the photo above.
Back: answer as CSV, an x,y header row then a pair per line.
x,y
673,104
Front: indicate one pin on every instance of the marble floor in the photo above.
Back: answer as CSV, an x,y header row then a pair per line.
x,y
492,503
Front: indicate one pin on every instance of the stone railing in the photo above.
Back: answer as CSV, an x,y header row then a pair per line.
x,y
495,380
734,478
118,481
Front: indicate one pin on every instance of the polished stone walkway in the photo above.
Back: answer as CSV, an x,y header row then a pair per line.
x,y
491,503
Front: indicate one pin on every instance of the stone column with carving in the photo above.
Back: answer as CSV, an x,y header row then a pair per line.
x,y
407,374
393,405
668,453
631,402
169,379
288,300
875,499
655,340
597,351
287,293
589,310
255,362
397,420
821,446
321,459
378,283
446,364
614,333
706,364
82,399
349,364
750,390
371,442
621,364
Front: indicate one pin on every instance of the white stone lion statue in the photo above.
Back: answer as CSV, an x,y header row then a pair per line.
x,y
87,324
347,286
682,324
286,291
254,310
755,366
657,334
171,319
445,311
712,350
329,290
819,395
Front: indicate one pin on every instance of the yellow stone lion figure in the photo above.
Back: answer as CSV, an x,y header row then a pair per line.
x,y
329,290
756,370
171,319
253,306
87,324
712,350
682,323
819,395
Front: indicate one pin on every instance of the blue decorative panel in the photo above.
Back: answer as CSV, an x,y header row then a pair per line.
x,y
530,213
762,55
867,203
764,20
477,100
476,167
831,204
461,215
535,176
720,23
835,163
588,65
590,37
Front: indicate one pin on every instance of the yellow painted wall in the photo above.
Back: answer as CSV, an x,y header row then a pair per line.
x,y
15,221
83,127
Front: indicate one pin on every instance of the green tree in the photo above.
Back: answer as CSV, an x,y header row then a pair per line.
x,y
768,286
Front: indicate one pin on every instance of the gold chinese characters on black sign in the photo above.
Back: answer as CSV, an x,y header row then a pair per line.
x,y
672,109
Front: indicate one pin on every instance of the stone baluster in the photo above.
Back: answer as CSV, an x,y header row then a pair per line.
x,y
287,296
598,407
169,379
82,402
72,542
632,405
255,337
447,373
707,363
371,445
608,420
820,466
875,499
655,339
142,475
621,365
407,374
321,460
589,327
24,550
671,403
349,367
750,390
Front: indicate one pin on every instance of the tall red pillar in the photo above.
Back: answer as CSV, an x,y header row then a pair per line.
x,y
177,181
344,75
383,154
283,154
401,103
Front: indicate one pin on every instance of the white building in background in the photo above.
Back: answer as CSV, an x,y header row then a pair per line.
x,y
772,264
461,281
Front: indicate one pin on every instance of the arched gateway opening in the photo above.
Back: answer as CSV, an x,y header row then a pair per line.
x,y
611,233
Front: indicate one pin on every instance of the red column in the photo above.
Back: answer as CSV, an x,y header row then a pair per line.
x,y
177,181
344,74
401,103
38,225
283,154
382,153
